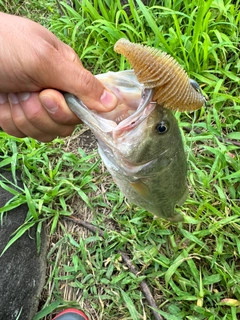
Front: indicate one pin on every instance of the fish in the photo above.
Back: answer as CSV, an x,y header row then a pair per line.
x,y
158,70
140,144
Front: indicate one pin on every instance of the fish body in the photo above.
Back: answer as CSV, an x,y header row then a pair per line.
x,y
140,143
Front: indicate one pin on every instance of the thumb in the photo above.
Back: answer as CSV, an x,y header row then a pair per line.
x,y
92,92
69,75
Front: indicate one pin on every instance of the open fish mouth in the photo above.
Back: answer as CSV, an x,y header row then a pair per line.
x,y
132,97
134,105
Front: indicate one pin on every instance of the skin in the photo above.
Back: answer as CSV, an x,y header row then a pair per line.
x,y
35,66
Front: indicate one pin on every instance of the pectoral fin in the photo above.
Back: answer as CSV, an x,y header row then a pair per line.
x,y
140,188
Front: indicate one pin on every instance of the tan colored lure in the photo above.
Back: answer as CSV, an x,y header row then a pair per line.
x,y
158,70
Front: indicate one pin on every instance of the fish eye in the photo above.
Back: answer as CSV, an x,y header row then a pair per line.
x,y
162,127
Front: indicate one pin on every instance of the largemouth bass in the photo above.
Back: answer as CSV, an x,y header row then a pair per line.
x,y
140,143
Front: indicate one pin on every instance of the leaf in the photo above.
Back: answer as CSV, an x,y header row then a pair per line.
x,y
152,23
234,135
19,233
49,309
9,189
130,305
214,278
5,162
193,238
30,203
235,175
230,302
167,316
84,197
54,222
12,204
172,269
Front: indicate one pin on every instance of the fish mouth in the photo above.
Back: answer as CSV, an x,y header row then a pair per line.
x,y
123,112
134,106
133,99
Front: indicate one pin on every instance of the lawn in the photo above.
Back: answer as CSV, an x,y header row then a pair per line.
x,y
192,268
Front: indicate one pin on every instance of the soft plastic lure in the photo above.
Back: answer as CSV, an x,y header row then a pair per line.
x,y
157,70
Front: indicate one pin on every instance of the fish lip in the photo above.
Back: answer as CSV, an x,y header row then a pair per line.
x,y
147,105
104,128
96,120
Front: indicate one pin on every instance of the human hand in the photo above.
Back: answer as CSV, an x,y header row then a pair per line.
x,y
34,65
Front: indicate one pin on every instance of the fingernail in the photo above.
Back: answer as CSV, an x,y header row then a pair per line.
x,y
3,98
108,99
13,98
24,96
49,104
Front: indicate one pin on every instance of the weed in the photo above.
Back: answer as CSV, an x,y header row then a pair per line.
x,y
192,268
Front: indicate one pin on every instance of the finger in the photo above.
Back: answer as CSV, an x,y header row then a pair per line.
x,y
33,120
22,123
57,108
70,76
6,121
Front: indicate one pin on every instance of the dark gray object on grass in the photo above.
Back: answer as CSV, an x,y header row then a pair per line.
x,y
22,269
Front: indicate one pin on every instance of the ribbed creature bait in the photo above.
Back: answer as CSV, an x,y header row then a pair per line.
x,y
159,71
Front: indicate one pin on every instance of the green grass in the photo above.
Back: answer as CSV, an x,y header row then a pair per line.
x,y
193,268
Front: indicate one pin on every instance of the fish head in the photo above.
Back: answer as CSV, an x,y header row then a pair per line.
x,y
152,135
127,89
133,107
137,128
